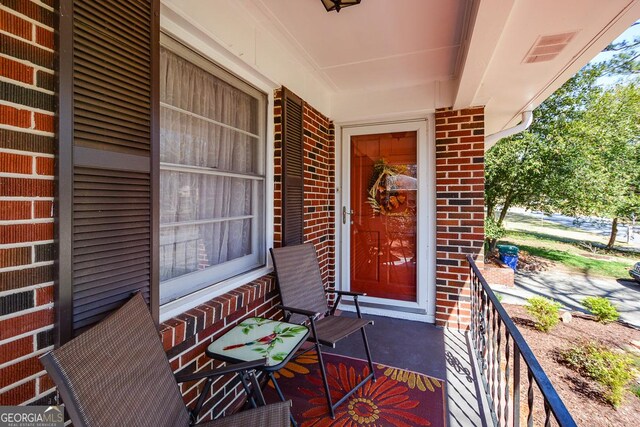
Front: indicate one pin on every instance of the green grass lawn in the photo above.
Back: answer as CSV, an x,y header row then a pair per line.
x,y
569,253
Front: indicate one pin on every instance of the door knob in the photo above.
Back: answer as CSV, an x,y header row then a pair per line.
x,y
345,213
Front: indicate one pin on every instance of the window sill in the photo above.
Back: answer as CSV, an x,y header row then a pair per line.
x,y
186,303
185,336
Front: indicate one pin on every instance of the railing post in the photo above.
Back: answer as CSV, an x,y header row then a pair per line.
x,y
507,373
530,398
472,284
499,373
547,413
516,386
488,321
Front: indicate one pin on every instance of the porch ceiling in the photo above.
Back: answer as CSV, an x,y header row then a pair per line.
x,y
381,44
387,59
510,83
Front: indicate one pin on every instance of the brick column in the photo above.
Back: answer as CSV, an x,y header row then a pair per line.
x,y
319,193
460,209
27,148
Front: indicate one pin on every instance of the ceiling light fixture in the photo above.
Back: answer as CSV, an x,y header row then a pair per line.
x,y
336,5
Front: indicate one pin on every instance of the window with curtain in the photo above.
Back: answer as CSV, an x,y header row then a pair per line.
x,y
211,173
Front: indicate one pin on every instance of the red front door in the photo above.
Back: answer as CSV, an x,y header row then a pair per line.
x,y
383,220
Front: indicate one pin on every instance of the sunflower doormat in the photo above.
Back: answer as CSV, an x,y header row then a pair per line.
x,y
398,398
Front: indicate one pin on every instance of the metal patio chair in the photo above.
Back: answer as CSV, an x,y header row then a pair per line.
x,y
304,299
117,374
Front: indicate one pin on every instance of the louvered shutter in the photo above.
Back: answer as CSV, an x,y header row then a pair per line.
x,y
108,133
293,170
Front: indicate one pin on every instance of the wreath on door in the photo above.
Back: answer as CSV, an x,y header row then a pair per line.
x,y
385,197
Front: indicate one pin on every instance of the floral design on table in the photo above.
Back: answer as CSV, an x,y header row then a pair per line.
x,y
267,345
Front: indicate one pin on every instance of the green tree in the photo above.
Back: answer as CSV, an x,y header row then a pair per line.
x,y
579,157
626,60
607,181
529,169
582,135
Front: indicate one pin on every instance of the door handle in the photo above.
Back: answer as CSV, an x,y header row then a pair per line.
x,y
345,213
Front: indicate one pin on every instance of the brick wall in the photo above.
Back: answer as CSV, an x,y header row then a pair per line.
x,y
27,147
319,184
186,337
460,209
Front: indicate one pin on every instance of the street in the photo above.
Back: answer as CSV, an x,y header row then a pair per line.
x,y
587,229
571,288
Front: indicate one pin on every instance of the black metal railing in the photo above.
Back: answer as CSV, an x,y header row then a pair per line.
x,y
499,350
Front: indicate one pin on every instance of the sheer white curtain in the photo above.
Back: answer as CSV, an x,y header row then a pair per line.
x,y
208,154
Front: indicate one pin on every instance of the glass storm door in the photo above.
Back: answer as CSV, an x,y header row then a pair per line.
x,y
383,190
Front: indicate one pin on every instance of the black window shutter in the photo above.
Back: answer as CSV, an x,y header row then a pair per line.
x,y
292,169
107,206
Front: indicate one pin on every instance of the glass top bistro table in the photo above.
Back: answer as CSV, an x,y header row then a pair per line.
x,y
257,338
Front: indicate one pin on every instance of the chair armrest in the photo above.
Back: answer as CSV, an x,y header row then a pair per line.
x,y
355,296
229,369
346,293
308,313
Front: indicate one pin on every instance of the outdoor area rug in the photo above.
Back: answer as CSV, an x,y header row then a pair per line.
x,y
398,398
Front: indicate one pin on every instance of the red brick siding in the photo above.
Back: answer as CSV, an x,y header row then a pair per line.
x,y
460,209
26,197
319,185
186,337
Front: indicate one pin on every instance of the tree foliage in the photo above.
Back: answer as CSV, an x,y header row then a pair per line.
x,y
581,155
626,60
526,169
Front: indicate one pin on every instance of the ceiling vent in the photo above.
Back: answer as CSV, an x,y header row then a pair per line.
x,y
547,48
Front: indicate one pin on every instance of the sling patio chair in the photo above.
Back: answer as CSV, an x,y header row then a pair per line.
x,y
304,299
117,374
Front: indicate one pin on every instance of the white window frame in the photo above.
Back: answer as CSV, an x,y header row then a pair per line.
x,y
186,291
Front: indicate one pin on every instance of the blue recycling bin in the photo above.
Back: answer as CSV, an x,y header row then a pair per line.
x,y
509,255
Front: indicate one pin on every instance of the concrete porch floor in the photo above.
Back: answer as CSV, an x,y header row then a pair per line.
x,y
427,349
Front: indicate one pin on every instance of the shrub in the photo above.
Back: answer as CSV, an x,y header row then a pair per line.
x,y
611,370
545,312
601,308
